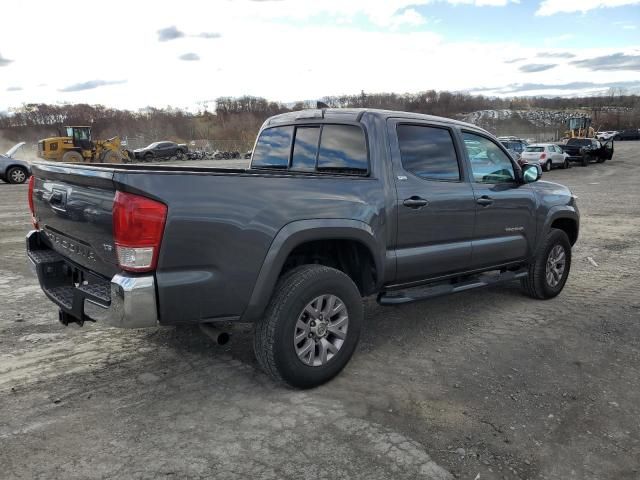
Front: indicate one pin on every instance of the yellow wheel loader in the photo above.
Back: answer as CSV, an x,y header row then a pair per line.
x,y
74,144
579,127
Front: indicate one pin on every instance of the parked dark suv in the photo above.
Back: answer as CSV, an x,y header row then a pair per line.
x,y
629,134
160,150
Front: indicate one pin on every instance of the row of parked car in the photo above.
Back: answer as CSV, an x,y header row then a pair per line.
x,y
619,135
559,155
168,150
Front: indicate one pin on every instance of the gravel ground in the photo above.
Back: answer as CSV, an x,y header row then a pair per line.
x,y
486,384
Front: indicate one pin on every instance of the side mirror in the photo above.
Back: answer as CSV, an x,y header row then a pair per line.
x,y
531,172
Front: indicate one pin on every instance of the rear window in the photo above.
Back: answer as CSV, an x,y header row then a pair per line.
x,y
273,147
515,146
312,148
534,149
305,148
428,152
579,141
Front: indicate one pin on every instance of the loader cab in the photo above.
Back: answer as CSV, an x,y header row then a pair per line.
x,y
81,136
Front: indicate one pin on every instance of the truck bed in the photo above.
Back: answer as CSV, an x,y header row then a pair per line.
x,y
219,227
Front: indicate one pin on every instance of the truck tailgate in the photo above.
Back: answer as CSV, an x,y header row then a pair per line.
x,y
73,206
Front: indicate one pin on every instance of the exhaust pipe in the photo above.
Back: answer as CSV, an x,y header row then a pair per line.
x,y
214,334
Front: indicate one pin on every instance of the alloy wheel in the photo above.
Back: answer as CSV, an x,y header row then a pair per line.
x,y
321,330
556,262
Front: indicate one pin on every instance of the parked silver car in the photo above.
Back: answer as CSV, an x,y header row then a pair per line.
x,y
13,170
547,155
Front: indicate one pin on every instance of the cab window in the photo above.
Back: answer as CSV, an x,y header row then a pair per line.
x,y
428,152
489,164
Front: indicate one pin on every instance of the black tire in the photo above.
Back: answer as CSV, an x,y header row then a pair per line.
x,y
274,334
72,156
179,154
148,157
547,166
17,175
566,164
601,160
535,284
585,160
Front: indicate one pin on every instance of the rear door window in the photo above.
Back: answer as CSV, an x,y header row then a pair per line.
x,y
342,147
428,152
273,148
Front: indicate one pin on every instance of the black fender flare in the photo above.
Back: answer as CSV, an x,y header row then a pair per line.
x,y
297,233
560,212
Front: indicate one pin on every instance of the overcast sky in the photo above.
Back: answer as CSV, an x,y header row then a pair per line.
x,y
132,54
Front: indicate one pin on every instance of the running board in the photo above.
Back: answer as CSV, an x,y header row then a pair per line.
x,y
416,294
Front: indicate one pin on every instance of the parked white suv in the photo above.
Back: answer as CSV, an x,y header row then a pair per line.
x,y
548,155
604,136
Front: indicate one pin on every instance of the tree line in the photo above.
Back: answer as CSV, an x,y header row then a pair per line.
x,y
238,119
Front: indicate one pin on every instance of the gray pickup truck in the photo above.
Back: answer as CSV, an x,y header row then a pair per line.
x,y
336,206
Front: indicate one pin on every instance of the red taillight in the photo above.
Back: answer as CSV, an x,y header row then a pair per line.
x,y
543,156
32,209
138,223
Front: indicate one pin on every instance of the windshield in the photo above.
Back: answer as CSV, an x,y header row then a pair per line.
x,y
534,149
153,145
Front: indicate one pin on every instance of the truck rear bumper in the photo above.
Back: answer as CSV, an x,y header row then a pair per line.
x,y
126,301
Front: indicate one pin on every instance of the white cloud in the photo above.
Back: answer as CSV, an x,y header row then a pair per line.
x,y
409,17
382,13
551,7
275,49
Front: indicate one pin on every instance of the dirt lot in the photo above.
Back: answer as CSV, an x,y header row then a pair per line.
x,y
485,384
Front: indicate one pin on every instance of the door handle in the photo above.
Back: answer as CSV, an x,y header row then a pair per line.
x,y
415,202
484,200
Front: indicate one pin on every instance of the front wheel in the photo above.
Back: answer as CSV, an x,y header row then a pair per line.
x,y
547,166
585,160
311,326
550,269
565,164
17,175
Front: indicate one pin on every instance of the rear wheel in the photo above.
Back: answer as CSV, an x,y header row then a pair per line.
x,y
585,160
72,157
17,175
311,326
547,166
549,271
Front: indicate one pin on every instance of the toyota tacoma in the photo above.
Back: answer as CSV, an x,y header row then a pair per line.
x,y
337,205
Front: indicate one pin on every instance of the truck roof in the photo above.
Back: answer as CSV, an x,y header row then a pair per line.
x,y
355,114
